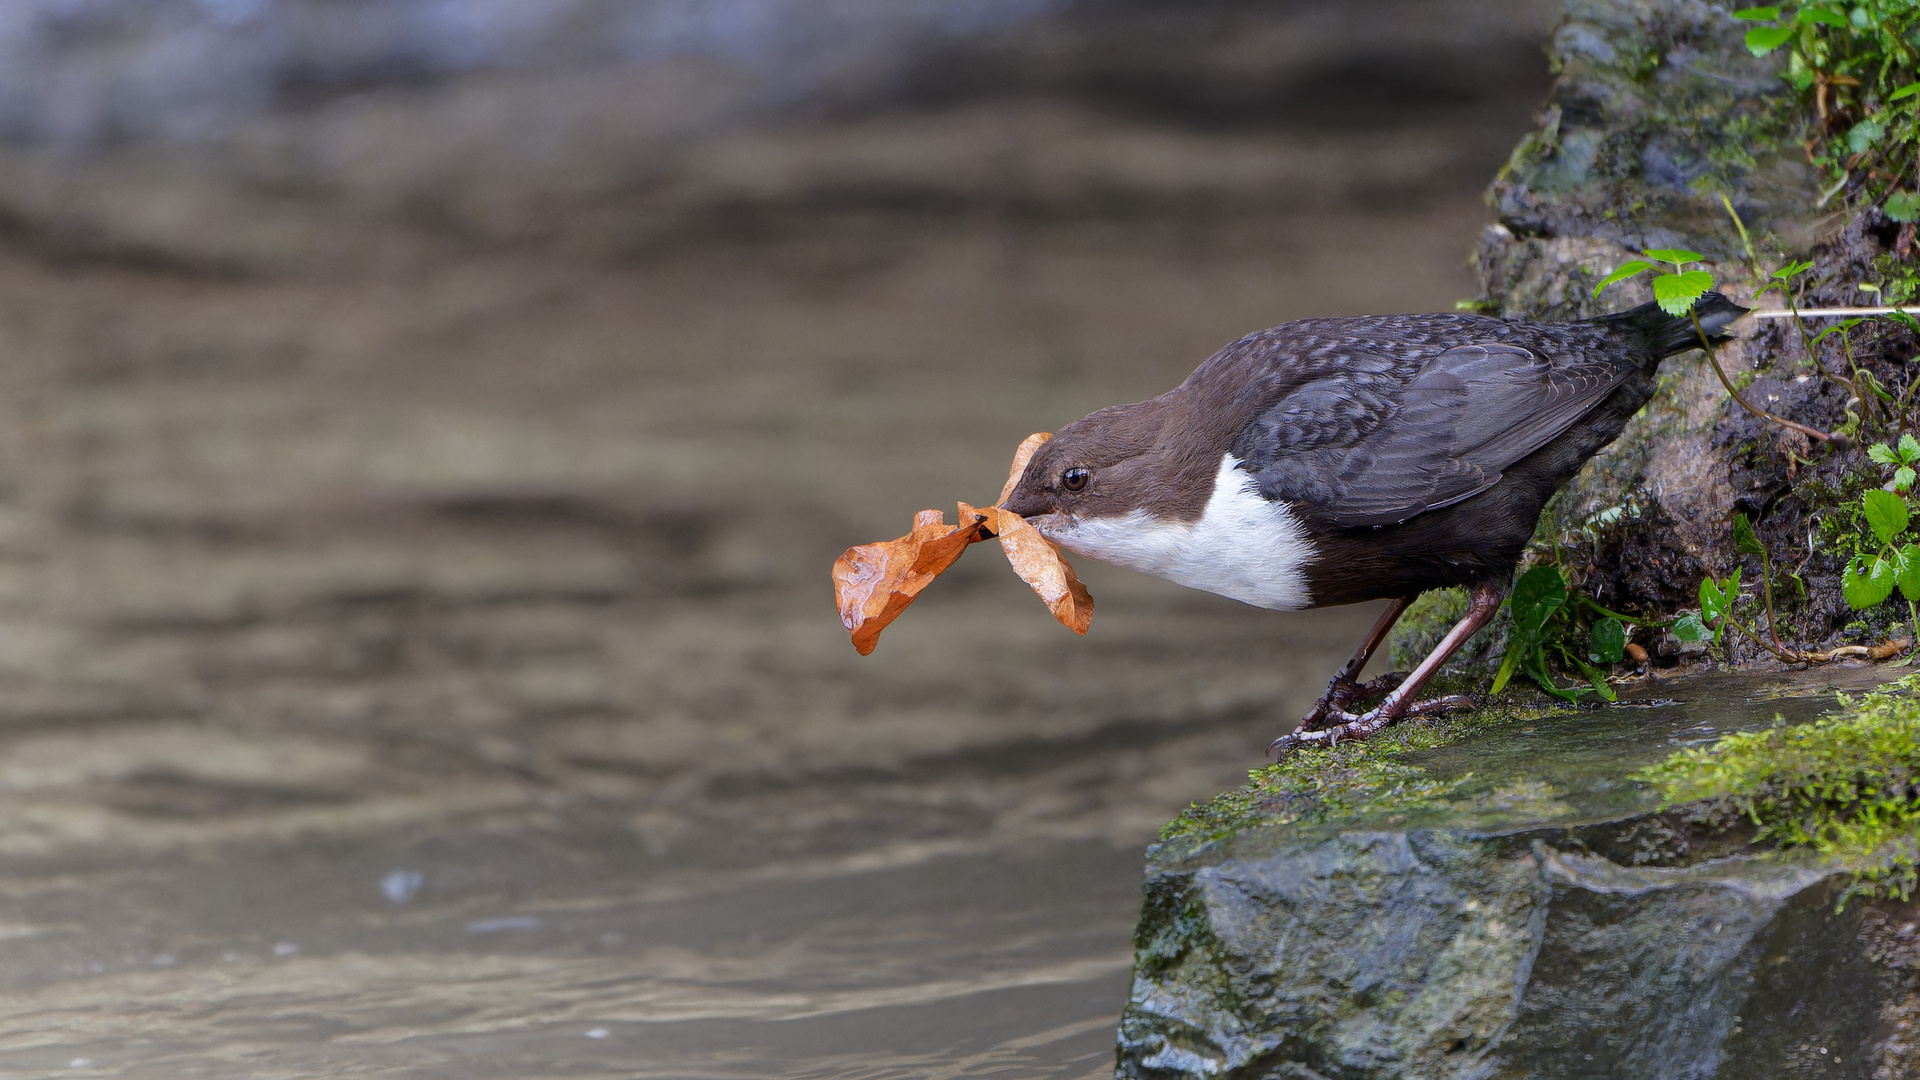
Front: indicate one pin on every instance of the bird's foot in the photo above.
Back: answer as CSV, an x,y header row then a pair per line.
x,y
1341,725
1343,692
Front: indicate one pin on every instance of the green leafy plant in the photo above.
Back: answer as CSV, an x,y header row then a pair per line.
x,y
1720,599
1903,457
1874,573
1857,64
1547,621
1677,291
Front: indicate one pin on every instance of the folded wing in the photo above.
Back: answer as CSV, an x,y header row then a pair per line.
x,y
1370,450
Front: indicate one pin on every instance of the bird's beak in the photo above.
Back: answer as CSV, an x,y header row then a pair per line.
x,y
1027,506
1046,524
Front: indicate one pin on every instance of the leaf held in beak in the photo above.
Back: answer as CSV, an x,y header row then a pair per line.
x,y
1022,455
874,583
1040,565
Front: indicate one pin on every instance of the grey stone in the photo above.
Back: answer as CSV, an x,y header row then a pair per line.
x,y
1548,919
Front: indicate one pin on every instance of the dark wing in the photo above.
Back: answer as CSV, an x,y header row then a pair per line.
x,y
1371,451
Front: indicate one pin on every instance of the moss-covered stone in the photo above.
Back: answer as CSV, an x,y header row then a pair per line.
x,y
1503,895
1846,786
1373,777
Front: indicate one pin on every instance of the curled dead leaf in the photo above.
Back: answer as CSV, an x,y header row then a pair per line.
x,y
874,583
1040,565
1021,455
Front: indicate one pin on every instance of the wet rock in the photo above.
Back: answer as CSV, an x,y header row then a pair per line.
x,y
1659,121
1504,900
1661,130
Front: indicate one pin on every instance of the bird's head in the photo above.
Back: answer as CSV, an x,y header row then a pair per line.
x,y
1094,467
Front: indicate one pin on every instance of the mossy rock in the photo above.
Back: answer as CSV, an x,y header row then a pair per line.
x,y
1506,894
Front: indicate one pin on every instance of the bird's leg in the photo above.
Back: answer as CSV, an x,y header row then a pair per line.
x,y
1481,607
1344,690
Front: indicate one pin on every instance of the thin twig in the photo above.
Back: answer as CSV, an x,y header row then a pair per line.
x,y
1835,313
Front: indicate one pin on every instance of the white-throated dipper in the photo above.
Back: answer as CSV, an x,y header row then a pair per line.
x,y
1330,461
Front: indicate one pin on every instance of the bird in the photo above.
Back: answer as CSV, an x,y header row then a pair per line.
x,y
1332,461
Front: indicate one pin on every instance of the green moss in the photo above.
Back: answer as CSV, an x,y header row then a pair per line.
x,y
1846,787
1371,777
1424,624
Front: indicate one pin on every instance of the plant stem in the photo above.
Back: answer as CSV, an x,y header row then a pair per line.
x,y
1913,623
1714,359
1781,653
1746,241
1869,401
1629,619
1766,578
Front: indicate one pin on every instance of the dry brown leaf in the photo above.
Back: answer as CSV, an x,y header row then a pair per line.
x,y
1040,565
874,583
1021,456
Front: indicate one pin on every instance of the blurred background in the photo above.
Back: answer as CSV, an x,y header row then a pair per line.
x,y
425,430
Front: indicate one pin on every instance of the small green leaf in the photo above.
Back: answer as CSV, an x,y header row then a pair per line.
x,y
1862,136
1791,271
1508,665
1866,584
1758,14
1811,14
1676,293
1690,628
1625,271
1717,596
1762,40
1903,478
1607,642
1909,448
1534,663
1907,574
1906,91
1712,601
1677,256
1903,206
1840,327
1744,538
1883,454
1596,680
1886,514
1536,596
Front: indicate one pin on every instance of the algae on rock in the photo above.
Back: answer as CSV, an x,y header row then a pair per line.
x,y
1502,899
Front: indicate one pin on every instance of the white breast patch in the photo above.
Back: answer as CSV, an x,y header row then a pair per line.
x,y
1244,546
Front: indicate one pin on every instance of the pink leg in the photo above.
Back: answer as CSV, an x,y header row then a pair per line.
x,y
1398,705
1343,690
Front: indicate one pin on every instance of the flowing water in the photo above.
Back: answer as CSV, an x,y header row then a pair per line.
x,y
416,651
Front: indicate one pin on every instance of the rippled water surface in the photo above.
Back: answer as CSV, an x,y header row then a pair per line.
x,y
425,665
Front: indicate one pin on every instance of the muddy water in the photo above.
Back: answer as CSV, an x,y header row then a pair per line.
x,y
428,668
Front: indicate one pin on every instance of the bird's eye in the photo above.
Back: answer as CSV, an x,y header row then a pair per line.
x,y
1075,479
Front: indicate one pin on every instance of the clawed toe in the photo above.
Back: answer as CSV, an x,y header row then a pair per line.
x,y
1331,709
1341,726
1440,706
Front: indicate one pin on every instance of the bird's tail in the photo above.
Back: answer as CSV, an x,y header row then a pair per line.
x,y
1670,334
